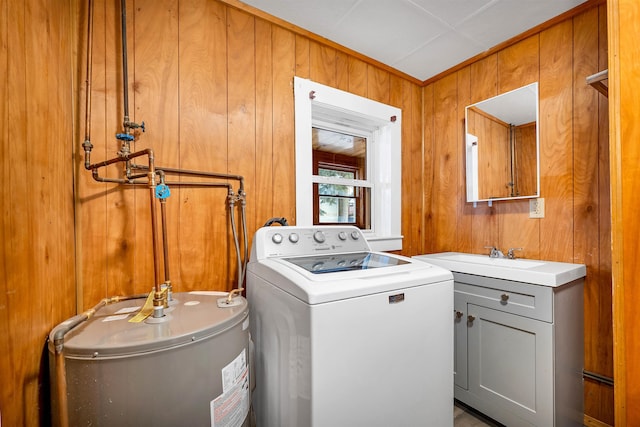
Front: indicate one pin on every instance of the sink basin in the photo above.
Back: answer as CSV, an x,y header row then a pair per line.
x,y
546,273
502,262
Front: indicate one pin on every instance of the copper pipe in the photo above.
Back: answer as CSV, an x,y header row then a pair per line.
x,y
174,171
138,182
87,117
61,390
125,68
165,243
151,181
152,195
124,158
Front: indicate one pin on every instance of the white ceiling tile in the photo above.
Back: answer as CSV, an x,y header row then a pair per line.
x,y
452,11
387,30
415,36
319,17
438,55
508,18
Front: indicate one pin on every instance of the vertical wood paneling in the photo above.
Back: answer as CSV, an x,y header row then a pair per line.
x,y
377,84
16,222
119,215
155,101
398,98
605,297
598,339
464,210
357,76
6,363
518,65
91,203
242,108
322,62
302,55
428,189
202,226
484,222
264,203
285,45
342,71
556,144
414,122
36,124
37,107
407,96
445,153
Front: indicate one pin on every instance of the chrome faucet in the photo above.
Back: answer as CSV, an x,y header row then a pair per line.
x,y
510,252
495,252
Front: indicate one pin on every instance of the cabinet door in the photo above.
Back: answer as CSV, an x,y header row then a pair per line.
x,y
460,341
510,364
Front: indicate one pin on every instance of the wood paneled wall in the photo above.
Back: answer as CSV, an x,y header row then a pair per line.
x,y
37,274
574,167
214,86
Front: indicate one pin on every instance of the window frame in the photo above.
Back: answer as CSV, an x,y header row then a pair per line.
x,y
320,105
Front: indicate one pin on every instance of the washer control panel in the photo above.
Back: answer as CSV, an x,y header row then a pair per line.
x,y
296,240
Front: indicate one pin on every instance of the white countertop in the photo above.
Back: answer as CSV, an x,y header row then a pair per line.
x,y
538,272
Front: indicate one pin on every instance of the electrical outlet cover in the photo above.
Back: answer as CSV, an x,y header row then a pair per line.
x,y
536,208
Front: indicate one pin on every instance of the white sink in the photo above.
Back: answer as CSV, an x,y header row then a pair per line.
x,y
502,262
546,273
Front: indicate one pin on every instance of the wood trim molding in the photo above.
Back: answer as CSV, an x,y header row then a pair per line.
x,y
592,422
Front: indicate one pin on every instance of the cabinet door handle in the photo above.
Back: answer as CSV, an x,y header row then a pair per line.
x,y
504,297
459,314
470,318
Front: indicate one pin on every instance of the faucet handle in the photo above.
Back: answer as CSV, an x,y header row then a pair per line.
x,y
510,252
495,252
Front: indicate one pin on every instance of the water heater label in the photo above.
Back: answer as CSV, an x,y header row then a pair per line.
x,y
230,409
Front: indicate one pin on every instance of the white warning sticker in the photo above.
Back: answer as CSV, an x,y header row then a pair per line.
x,y
231,408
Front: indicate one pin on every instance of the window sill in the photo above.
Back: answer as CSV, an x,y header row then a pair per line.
x,y
384,243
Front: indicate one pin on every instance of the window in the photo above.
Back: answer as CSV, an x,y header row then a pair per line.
x,y
342,195
348,162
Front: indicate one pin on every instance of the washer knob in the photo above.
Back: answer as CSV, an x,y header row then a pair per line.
x,y
276,238
342,235
318,236
293,238
355,235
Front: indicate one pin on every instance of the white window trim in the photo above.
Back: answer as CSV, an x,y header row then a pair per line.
x,y
386,156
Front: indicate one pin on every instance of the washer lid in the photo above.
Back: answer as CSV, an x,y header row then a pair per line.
x,y
195,316
320,264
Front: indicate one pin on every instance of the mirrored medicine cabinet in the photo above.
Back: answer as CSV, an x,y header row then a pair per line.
x,y
502,146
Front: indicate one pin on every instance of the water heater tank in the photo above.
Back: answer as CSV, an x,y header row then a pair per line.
x,y
189,368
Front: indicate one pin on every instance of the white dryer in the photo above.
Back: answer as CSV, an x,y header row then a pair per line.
x,y
345,336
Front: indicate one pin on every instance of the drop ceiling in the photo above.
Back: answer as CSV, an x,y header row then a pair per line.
x,y
421,38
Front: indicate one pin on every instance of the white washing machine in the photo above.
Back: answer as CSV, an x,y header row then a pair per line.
x,y
345,336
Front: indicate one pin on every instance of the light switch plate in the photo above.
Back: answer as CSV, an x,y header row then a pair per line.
x,y
536,208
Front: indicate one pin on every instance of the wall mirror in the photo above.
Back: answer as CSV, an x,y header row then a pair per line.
x,y
502,149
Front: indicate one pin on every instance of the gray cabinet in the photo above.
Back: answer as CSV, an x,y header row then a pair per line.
x,y
519,350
